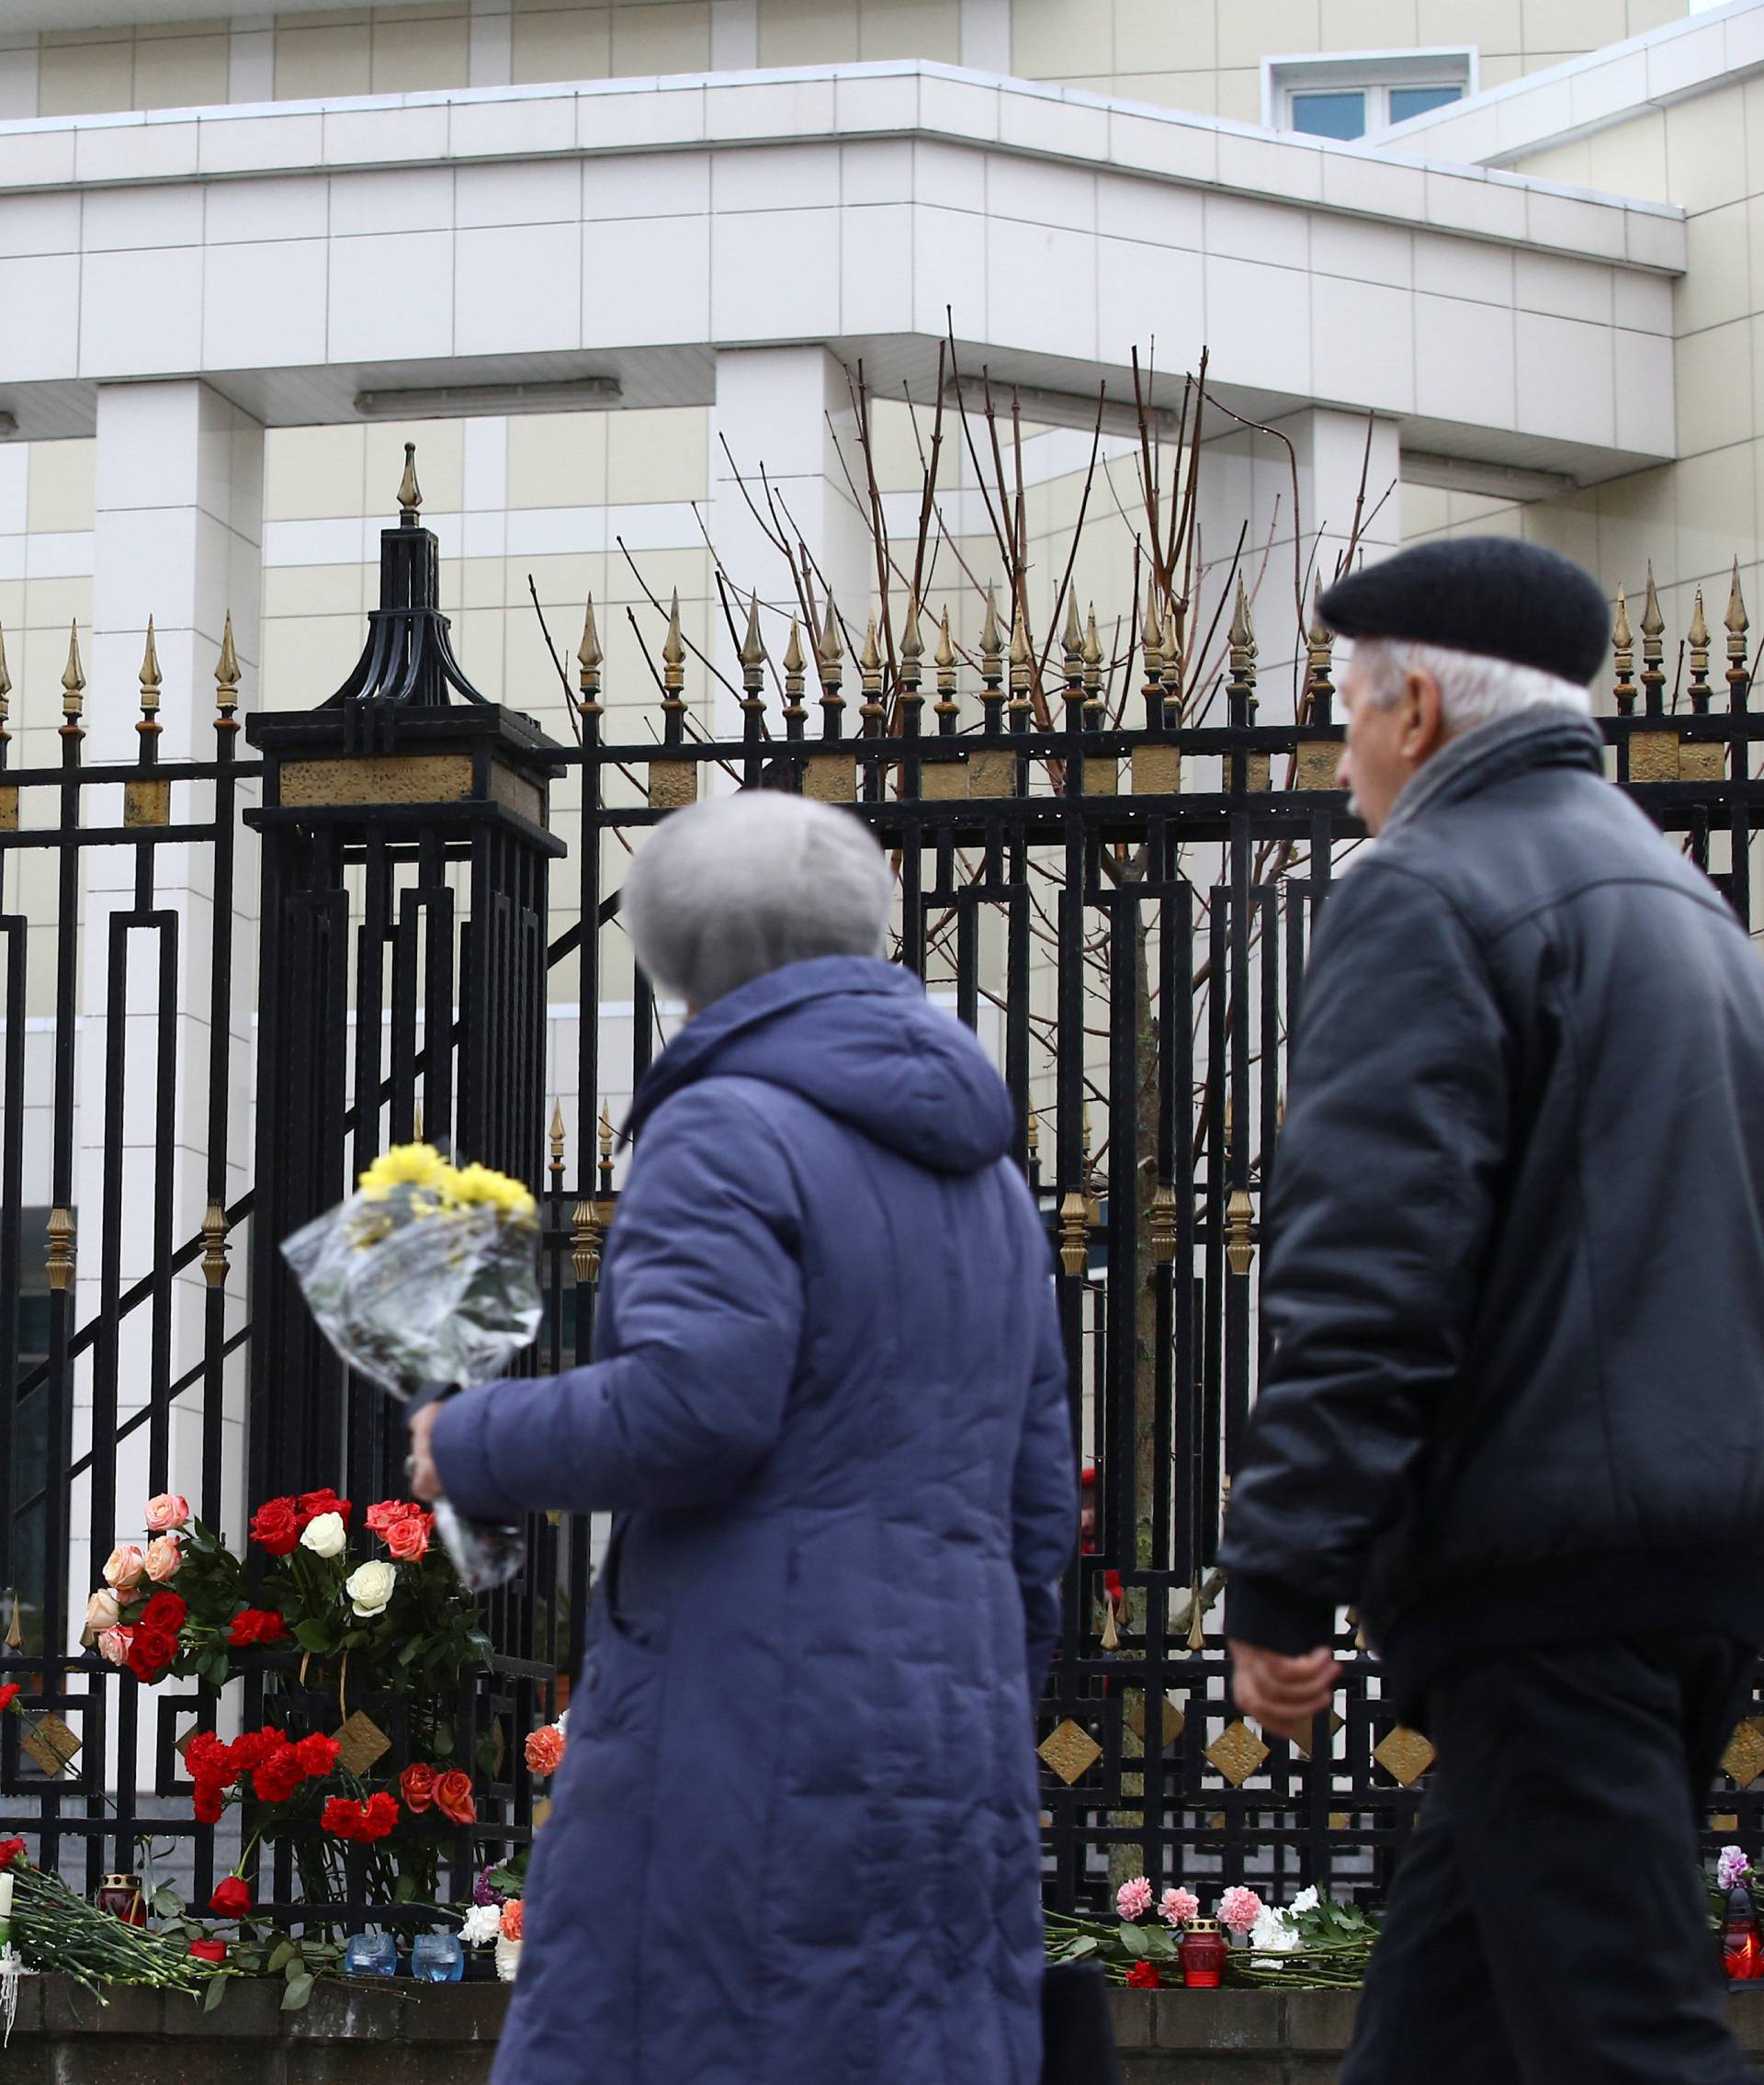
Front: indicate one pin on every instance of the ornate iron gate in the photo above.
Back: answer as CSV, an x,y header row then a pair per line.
x,y
1122,910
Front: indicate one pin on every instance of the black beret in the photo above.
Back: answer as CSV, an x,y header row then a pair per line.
x,y
1482,593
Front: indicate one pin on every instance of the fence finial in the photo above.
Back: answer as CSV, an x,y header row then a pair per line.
x,y
410,493
912,650
752,643
1738,622
1653,652
674,654
1151,639
226,680
151,683
1022,659
589,657
829,650
992,644
1622,651
870,668
1071,642
557,1139
947,707
73,685
1697,637
6,687
1243,633
795,663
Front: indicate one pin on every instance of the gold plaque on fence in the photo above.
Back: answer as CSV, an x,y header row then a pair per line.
x,y
943,781
993,774
8,807
1256,772
1070,1750
1654,757
831,777
1702,760
1405,1755
361,1743
1236,1753
541,1812
673,784
1174,1722
1157,771
51,1743
1302,1746
1744,1760
1316,764
147,803
1101,778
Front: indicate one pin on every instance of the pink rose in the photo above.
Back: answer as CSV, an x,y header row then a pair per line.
x,y
165,1558
1133,1899
1238,1910
113,1646
103,1611
165,1511
122,1568
1177,1906
408,1539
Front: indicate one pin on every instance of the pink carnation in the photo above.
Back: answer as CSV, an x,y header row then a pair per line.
x,y
1238,1910
1133,1899
1177,1906
1730,1869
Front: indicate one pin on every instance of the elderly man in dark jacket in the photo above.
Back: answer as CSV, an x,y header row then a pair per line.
x,y
795,1838
1514,1409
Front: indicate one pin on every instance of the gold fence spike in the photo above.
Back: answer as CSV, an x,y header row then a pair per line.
x,y
605,1148
1698,634
673,655
1243,633
830,650
753,645
15,1627
991,639
912,639
870,659
1737,621
1151,634
1697,637
1196,1618
1111,1636
589,657
214,1245
1163,1226
557,1136
151,683
73,681
945,653
1092,644
226,679
1075,1234
6,687
1653,622
1034,1135
1622,638
410,493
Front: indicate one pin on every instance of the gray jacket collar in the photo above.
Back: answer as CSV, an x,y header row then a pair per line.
x,y
1543,737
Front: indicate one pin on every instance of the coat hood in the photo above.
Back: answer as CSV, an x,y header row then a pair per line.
x,y
858,1039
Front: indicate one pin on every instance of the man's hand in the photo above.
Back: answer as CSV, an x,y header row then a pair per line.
x,y
425,1479
1285,1695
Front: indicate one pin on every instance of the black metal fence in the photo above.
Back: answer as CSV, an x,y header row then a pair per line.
x,y
1119,897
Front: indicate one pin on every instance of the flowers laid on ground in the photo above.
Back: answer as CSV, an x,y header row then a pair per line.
x,y
54,1930
1312,1943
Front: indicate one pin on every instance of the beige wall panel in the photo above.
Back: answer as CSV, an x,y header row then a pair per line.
x,y
664,36
1631,159
576,43
1570,163
1197,92
558,459
1495,25
313,472
1717,495
315,590
1052,39
183,72
85,79
1573,25
1717,286
661,454
1706,150
409,56
1368,25
808,32
931,29
1268,29
1165,36
1240,95
315,61
1645,15
1714,388
59,486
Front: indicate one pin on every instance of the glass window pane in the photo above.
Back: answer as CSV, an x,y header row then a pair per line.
x,y
1405,102
1330,115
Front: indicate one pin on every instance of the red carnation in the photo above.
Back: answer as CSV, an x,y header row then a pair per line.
x,y
213,1951
165,1611
364,1821
280,1775
209,1759
255,1746
256,1625
454,1798
231,1898
417,1785
8,1695
317,1755
311,1504
275,1525
205,1802
379,1813
11,1850
1143,1977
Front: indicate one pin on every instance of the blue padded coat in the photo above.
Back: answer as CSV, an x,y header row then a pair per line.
x,y
794,1838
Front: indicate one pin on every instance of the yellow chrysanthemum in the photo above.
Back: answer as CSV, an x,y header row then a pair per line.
x,y
478,1184
404,1165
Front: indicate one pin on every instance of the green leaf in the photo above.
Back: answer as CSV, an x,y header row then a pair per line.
x,y
1160,1943
410,1650
300,1989
296,1967
313,1636
1136,1940
217,1990
284,1953
444,1740
167,1903
404,1889
1076,1949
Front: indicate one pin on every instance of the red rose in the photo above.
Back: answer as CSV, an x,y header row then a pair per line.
x,y
408,1540
317,1755
151,1654
8,1695
165,1611
280,1775
256,1625
11,1850
231,1898
1143,1977
254,1746
417,1785
205,1802
275,1525
454,1798
213,1951
311,1504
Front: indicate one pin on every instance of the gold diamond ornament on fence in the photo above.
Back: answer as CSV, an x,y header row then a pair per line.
x,y
1070,1751
1236,1753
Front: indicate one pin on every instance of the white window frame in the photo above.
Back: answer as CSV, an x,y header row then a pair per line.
x,y
1372,73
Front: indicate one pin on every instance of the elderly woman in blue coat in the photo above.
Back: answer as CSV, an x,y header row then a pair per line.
x,y
794,1838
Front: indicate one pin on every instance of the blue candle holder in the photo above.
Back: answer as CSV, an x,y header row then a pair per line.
x,y
437,1958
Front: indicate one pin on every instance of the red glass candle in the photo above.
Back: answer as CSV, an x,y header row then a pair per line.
x,y
1202,1955
120,1896
1742,1951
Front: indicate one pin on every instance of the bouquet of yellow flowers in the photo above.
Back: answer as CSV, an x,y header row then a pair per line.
x,y
426,1280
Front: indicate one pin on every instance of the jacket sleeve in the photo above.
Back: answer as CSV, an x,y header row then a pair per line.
x,y
1044,1502
1383,1206
710,1314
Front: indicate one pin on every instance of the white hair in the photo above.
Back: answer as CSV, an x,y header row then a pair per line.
x,y
736,886
1474,689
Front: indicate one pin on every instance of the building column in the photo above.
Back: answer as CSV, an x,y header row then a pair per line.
x,y
786,414
179,537
1247,483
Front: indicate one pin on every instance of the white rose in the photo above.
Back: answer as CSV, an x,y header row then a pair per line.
x,y
484,1924
325,1535
369,1586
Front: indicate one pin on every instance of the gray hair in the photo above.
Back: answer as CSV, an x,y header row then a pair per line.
x,y
1474,689
734,887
